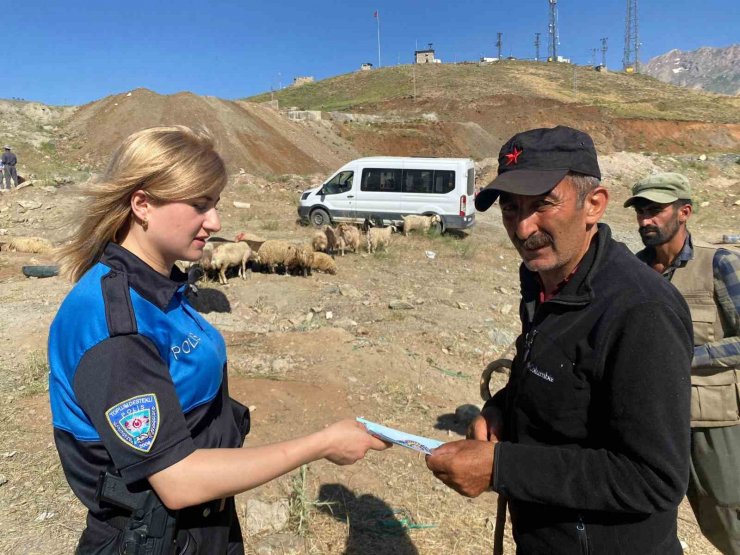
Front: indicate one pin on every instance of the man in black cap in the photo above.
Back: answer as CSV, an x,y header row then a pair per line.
x,y
9,161
589,440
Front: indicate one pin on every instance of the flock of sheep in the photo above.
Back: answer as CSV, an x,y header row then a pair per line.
x,y
219,255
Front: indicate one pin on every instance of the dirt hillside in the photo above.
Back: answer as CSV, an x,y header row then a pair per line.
x,y
251,137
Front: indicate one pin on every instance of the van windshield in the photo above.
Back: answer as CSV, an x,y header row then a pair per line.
x,y
340,183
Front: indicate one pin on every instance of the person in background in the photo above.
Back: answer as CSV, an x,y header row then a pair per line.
x,y
709,279
138,379
9,160
589,439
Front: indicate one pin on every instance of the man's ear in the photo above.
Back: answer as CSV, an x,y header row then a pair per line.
x,y
595,204
684,213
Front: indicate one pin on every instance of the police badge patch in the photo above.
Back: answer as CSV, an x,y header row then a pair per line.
x,y
136,421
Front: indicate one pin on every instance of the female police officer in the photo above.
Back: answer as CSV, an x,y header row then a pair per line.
x,y
138,380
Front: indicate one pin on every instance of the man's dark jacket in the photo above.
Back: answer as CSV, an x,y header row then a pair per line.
x,y
596,451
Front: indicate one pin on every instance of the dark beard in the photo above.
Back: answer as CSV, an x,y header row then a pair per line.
x,y
659,236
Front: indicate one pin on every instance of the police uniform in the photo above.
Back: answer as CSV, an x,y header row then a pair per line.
x,y
138,382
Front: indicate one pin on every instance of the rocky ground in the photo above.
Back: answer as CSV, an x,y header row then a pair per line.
x,y
307,351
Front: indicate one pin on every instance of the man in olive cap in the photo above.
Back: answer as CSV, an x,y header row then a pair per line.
x,y
589,440
9,161
709,279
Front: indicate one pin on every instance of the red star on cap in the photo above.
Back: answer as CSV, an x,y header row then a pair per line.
x,y
513,157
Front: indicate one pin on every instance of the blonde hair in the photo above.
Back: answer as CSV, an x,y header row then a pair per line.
x,y
168,163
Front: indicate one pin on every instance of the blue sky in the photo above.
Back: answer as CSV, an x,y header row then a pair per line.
x,y
75,51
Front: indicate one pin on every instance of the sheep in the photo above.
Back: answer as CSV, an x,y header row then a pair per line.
x,y
37,245
323,263
226,255
301,261
254,241
350,237
422,223
331,238
319,242
274,252
379,236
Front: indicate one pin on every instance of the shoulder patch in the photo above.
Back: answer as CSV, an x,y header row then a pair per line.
x,y
136,421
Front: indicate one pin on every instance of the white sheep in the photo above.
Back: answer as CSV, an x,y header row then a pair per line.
x,y
323,263
274,253
422,223
226,255
37,245
379,237
349,237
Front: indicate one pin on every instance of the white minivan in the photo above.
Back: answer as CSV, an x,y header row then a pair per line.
x,y
382,189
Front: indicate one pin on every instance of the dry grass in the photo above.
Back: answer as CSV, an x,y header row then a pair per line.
x,y
630,96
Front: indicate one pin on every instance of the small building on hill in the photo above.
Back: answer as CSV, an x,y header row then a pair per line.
x,y
298,81
425,56
367,66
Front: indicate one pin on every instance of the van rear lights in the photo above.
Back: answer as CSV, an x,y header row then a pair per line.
x,y
463,205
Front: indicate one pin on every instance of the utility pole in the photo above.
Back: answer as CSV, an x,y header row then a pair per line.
x,y
631,58
603,51
593,56
498,45
537,47
553,30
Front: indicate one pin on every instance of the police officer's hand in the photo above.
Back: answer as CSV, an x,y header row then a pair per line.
x,y
465,466
347,441
488,426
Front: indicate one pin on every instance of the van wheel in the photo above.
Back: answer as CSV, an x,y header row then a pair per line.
x,y
320,218
439,228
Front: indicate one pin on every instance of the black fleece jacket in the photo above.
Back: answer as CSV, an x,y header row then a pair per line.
x,y
596,451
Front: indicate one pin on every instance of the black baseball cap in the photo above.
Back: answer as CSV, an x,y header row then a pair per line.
x,y
534,162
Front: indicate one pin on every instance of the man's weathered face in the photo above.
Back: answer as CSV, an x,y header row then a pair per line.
x,y
547,230
658,222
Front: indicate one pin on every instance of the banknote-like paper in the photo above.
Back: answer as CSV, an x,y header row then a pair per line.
x,y
410,441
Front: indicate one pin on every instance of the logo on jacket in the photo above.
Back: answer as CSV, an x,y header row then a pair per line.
x,y
135,421
539,373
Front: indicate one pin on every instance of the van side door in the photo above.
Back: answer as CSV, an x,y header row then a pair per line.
x,y
379,195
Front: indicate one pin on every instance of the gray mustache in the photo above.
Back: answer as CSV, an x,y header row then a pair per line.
x,y
536,241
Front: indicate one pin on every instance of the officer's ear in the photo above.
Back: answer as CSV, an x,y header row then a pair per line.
x,y
140,205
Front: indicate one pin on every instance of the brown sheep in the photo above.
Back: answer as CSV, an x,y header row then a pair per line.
x,y
319,242
324,263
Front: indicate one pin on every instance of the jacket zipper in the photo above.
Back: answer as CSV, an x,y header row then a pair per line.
x,y
582,536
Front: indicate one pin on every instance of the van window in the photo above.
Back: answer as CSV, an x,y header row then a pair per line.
x,y
444,181
383,180
340,183
418,181
471,181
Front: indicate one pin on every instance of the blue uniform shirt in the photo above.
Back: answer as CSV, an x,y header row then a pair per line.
x,y
138,378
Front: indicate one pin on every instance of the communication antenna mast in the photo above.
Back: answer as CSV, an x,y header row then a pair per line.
x,y
593,56
537,47
631,59
498,44
603,51
553,29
